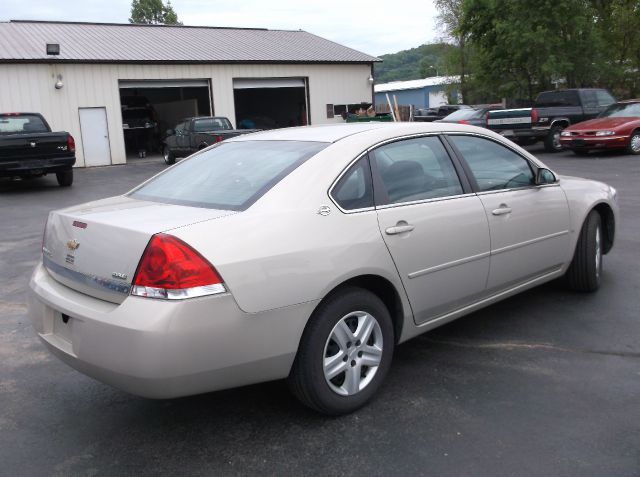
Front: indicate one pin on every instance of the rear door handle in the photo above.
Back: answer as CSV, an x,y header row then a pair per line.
x,y
398,229
502,210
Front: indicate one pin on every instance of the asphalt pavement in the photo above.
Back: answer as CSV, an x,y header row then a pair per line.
x,y
543,384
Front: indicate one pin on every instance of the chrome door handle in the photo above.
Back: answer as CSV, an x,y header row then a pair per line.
x,y
502,210
398,229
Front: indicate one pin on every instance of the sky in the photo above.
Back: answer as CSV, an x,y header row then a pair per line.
x,y
372,27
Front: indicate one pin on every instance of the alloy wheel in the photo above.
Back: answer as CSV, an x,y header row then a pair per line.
x,y
352,353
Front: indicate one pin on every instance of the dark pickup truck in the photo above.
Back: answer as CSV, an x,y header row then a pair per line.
x,y
28,148
551,113
193,134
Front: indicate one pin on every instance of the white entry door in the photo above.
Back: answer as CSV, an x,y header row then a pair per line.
x,y
95,136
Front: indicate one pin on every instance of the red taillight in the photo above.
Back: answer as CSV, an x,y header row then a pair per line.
x,y
217,139
534,115
171,269
71,143
463,121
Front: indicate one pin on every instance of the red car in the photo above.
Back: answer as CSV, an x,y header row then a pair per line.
x,y
617,127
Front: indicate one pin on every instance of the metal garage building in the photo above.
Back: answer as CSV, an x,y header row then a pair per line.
x,y
85,77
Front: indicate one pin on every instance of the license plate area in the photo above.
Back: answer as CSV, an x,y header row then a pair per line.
x,y
578,142
62,326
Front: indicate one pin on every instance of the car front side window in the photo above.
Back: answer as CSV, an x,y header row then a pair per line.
x,y
416,169
494,166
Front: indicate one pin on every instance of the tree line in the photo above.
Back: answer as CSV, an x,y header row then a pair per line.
x,y
517,48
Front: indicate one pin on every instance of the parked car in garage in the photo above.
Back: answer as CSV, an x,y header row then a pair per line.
x,y
618,127
193,134
308,254
474,116
28,148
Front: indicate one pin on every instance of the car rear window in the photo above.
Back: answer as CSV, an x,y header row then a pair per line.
x,y
211,124
230,176
22,123
551,99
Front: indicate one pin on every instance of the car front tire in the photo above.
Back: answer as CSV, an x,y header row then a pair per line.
x,y
634,143
168,156
552,140
584,273
344,354
65,178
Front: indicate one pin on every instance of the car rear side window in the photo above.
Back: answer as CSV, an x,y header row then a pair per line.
x,y
354,190
494,167
230,176
416,169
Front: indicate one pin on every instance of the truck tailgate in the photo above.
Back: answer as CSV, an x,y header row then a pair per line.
x,y
24,147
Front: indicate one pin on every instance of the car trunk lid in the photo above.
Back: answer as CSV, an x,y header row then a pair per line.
x,y
95,248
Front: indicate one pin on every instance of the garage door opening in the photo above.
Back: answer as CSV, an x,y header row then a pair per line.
x,y
270,103
149,108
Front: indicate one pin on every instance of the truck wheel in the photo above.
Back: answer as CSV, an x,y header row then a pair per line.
x,y
344,354
552,140
585,270
168,156
65,178
634,143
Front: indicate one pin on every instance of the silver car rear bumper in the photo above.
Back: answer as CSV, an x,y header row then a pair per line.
x,y
161,349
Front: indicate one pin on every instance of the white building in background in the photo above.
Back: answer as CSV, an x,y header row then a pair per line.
x,y
84,76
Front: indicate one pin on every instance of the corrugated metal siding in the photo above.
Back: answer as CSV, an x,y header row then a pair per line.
x,y
91,42
30,87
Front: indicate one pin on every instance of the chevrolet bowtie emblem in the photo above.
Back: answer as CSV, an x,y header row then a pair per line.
x,y
73,244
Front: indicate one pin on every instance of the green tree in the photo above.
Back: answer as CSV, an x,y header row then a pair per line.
x,y
153,12
456,59
524,47
617,22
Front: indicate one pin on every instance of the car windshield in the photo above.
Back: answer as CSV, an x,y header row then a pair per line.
x,y
463,114
230,176
22,123
211,124
622,110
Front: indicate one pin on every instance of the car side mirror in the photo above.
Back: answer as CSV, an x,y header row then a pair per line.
x,y
170,132
545,176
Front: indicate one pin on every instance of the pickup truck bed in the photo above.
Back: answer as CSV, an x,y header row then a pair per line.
x,y
28,148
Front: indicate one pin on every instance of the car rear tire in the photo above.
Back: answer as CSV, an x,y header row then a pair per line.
x,y
65,178
584,273
634,143
552,140
344,354
168,156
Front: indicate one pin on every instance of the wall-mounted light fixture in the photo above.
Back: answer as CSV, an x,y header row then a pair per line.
x,y
53,48
370,79
59,84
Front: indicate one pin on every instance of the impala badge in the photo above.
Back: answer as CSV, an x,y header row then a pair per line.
x,y
119,276
32,143
73,244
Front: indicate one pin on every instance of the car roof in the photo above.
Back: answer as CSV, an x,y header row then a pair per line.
x,y
336,132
